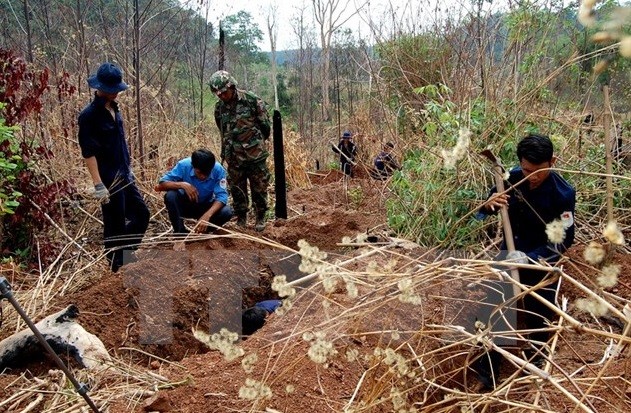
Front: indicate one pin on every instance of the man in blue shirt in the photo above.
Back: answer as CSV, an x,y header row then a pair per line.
x,y
104,149
196,188
543,197
254,318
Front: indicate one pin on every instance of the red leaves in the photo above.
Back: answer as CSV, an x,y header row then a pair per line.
x,y
20,88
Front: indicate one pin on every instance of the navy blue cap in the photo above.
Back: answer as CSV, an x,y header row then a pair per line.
x,y
108,79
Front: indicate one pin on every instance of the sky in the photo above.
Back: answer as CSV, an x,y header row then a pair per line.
x,y
370,20
356,16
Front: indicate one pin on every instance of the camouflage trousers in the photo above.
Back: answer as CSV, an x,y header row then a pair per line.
x,y
259,176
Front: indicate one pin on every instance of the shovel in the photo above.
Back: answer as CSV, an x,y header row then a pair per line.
x,y
499,308
498,172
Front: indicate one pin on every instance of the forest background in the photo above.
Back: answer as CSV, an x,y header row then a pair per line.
x,y
496,73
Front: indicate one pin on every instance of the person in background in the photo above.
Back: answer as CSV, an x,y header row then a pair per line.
x,y
254,317
385,164
196,188
347,150
106,155
244,125
543,197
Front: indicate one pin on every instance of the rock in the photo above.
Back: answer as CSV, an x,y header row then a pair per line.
x,y
158,403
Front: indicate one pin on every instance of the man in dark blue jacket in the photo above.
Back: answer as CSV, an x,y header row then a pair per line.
x,y
536,197
347,150
385,163
104,149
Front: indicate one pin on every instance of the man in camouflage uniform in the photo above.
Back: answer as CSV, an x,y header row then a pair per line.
x,y
244,125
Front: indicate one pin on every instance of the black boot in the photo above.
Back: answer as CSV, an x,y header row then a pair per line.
x,y
260,221
487,368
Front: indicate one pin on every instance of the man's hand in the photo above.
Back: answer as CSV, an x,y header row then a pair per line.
x,y
101,193
518,257
202,224
191,191
496,201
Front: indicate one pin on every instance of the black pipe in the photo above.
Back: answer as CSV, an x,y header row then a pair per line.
x,y
280,184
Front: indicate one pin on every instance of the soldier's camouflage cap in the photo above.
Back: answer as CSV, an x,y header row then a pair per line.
x,y
220,81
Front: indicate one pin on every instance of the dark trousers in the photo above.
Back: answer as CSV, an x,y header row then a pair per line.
x,y
347,168
535,315
180,206
125,221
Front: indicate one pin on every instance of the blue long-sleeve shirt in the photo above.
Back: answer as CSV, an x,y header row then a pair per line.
x,y
269,305
213,188
530,210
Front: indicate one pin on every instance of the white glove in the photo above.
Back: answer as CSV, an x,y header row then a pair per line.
x,y
101,193
517,257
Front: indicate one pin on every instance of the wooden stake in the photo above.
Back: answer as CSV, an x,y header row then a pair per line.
x,y
608,155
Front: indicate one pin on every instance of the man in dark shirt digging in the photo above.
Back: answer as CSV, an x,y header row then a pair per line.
x,y
537,197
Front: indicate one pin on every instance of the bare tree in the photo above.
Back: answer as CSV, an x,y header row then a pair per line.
x,y
303,64
272,30
27,24
330,15
136,59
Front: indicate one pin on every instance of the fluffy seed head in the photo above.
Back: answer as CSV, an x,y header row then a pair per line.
x,y
253,390
451,157
596,308
613,234
602,37
555,231
625,46
609,276
279,284
321,349
594,253
249,362
586,15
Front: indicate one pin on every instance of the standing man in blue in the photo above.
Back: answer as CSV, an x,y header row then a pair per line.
x,y
104,149
196,188
347,150
543,197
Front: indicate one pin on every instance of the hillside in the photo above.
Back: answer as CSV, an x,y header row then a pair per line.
x,y
383,353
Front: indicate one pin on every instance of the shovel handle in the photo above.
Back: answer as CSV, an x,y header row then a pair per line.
x,y
506,226
508,230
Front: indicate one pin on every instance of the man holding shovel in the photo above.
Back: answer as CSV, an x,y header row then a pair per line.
x,y
539,205
347,151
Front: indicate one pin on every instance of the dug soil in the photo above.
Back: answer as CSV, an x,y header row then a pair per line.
x,y
146,313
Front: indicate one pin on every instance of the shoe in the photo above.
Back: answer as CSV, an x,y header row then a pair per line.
x,y
260,222
487,369
241,221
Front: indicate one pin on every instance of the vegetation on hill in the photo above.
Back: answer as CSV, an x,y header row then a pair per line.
x,y
497,73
